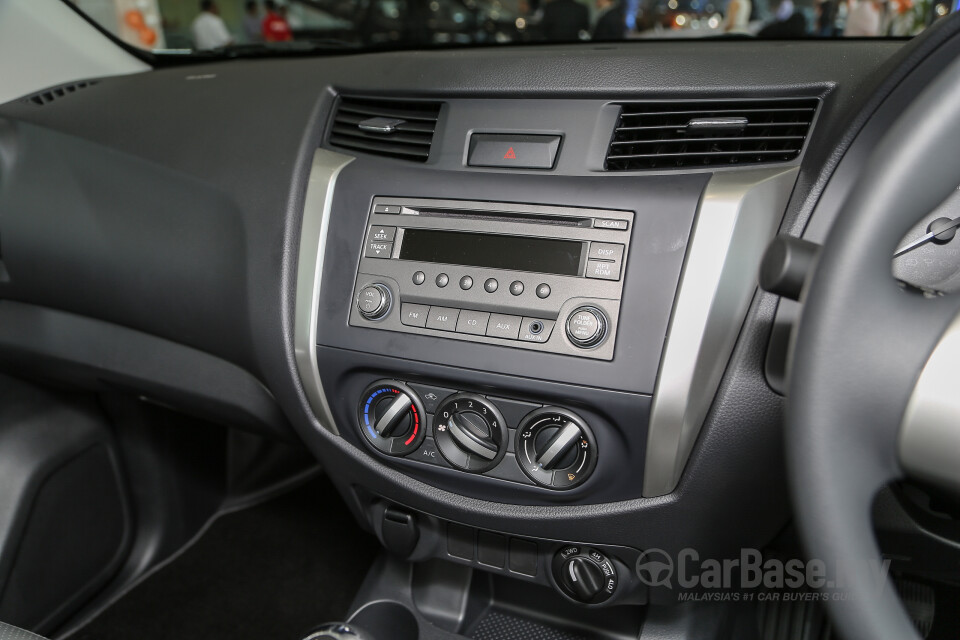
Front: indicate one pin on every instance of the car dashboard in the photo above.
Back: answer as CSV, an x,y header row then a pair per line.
x,y
507,297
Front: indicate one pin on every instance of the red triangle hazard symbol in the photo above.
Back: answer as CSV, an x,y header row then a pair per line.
x,y
510,155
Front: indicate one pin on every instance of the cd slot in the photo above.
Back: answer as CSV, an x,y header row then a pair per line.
x,y
501,216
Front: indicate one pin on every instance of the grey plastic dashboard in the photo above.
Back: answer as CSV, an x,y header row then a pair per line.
x,y
171,204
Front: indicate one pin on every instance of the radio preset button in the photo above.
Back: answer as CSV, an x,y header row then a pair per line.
x,y
386,208
443,318
419,277
607,223
503,326
466,282
490,285
379,249
603,270
535,330
414,315
516,287
473,322
543,290
606,251
379,233
442,280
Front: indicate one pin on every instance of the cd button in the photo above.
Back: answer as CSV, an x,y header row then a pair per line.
x,y
603,270
503,326
466,282
414,315
490,285
419,277
516,287
379,233
386,208
442,280
379,249
443,318
543,290
474,322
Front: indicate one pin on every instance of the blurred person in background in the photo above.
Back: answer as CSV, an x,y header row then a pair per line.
x,y
275,27
209,30
251,22
565,20
864,19
737,19
611,21
826,17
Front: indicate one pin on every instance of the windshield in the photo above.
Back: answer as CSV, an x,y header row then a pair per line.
x,y
233,26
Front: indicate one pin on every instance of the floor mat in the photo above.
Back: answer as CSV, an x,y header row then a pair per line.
x,y
269,572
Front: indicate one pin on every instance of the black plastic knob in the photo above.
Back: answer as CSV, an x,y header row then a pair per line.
x,y
585,575
392,418
374,301
786,264
586,327
555,448
470,432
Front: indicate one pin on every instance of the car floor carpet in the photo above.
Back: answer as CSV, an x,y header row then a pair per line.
x,y
272,571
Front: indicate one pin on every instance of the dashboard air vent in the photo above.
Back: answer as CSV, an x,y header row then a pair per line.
x,y
669,135
49,95
395,128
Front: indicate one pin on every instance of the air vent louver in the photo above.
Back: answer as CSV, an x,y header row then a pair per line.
x,y
407,132
668,135
49,95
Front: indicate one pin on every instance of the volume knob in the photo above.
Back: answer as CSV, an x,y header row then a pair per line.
x,y
373,301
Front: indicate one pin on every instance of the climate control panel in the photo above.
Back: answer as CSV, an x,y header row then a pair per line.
x,y
510,440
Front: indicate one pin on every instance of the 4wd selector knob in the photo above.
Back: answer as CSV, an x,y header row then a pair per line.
x,y
470,432
555,448
585,574
374,300
392,418
587,327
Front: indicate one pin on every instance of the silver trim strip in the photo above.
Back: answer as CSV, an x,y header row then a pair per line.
x,y
738,215
326,166
930,432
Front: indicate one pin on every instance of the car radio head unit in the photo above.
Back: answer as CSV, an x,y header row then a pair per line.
x,y
529,276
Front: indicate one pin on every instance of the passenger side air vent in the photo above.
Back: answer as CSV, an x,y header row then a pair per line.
x,y
395,128
669,135
49,95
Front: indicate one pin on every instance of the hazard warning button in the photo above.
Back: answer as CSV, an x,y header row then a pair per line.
x,y
513,151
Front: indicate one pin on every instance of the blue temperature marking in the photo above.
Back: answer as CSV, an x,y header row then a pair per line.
x,y
366,411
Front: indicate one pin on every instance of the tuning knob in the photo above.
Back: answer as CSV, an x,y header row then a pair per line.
x,y
587,327
555,448
470,432
374,301
392,418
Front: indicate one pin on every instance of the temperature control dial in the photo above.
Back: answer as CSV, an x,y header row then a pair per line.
x,y
556,448
392,418
470,432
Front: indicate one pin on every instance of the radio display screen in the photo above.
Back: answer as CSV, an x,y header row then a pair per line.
x,y
514,253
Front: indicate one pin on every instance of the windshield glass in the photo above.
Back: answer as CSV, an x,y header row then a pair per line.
x,y
262,26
